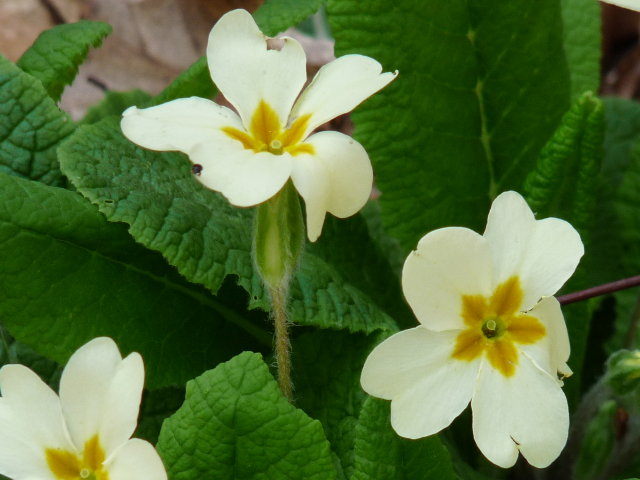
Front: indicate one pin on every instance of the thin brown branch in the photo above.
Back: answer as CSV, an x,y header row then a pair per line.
x,y
600,290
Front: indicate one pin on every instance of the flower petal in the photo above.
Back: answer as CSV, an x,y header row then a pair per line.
x,y
415,370
246,72
526,412
100,394
245,177
448,263
551,352
136,459
30,422
177,125
339,87
630,4
337,178
543,253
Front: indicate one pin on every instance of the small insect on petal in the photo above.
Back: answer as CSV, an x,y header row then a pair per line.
x,y
197,169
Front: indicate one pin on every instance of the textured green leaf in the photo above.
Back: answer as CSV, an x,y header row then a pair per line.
x,y
195,81
614,240
626,207
327,367
57,53
114,103
347,245
381,453
235,424
394,254
69,275
482,86
565,176
196,230
582,44
275,16
31,127
623,130
563,185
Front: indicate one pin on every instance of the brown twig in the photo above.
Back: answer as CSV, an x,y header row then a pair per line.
x,y
600,290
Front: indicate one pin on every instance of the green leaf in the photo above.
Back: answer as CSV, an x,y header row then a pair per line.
x,y
275,16
57,53
563,185
623,130
582,44
616,236
394,254
327,366
481,88
157,406
196,229
12,351
597,443
381,453
195,81
346,244
565,176
235,424
69,275
114,103
626,208
31,127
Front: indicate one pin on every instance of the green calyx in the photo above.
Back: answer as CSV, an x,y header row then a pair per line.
x,y
278,237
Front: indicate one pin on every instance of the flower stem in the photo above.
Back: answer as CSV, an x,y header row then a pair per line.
x,y
277,246
600,290
282,345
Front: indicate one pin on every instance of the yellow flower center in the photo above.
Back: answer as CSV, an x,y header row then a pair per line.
x,y
69,466
267,135
494,326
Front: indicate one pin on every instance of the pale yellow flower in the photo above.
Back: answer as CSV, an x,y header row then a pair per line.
x,y
248,156
491,334
85,433
630,4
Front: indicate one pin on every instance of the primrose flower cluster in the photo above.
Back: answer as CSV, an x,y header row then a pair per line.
x,y
249,156
491,334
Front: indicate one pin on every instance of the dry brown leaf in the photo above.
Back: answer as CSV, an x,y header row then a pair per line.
x,y
151,43
21,21
67,11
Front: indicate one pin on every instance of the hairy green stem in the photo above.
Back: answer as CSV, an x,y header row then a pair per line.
x,y
282,345
277,246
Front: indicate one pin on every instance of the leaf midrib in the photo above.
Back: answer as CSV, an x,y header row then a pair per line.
x,y
259,334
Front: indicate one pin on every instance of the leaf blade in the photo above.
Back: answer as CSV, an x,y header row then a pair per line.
x,y
31,127
380,453
69,276
196,229
235,423
57,53
453,130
